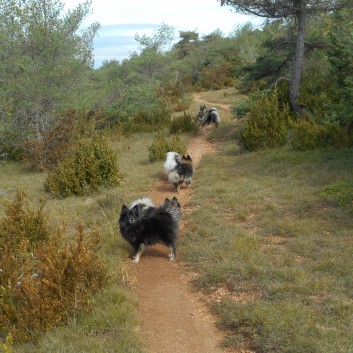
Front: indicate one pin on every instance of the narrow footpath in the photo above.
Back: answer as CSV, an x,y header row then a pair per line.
x,y
173,317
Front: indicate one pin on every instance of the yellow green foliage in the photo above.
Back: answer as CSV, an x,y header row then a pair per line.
x,y
91,165
22,224
6,347
44,283
160,146
307,134
266,124
183,123
340,192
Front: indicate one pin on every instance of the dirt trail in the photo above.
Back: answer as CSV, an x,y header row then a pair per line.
x,y
197,98
172,316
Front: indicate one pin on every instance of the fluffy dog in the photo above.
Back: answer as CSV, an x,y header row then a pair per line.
x,y
202,115
208,117
182,173
185,168
171,161
213,117
159,225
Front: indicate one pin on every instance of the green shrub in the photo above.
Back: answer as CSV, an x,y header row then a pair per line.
x,y
308,135
22,224
266,124
160,146
340,192
92,165
10,148
140,108
241,109
6,347
183,123
46,280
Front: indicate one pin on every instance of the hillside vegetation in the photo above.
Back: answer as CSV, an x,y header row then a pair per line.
x,y
270,238
270,234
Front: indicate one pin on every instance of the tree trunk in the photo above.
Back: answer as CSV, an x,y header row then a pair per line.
x,y
294,85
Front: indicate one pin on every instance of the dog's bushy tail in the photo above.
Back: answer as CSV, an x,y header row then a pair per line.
x,y
176,179
145,206
171,161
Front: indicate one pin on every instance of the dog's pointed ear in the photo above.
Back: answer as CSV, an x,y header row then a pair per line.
x,y
124,208
177,201
136,210
166,200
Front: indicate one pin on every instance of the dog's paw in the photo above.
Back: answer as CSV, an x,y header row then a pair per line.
x,y
135,260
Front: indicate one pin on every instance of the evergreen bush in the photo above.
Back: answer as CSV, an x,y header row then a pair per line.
x,y
183,123
140,108
10,149
160,146
307,134
92,165
266,124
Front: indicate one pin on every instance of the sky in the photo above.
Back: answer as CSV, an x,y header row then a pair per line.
x,y
120,20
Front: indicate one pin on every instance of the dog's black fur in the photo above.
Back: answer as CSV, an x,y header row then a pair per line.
x,y
158,225
213,117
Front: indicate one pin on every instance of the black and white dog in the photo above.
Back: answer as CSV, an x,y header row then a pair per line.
x,y
182,173
208,117
142,226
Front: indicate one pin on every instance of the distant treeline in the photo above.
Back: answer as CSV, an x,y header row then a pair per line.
x,y
47,69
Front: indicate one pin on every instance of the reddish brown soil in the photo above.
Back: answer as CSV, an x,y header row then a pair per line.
x,y
173,317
